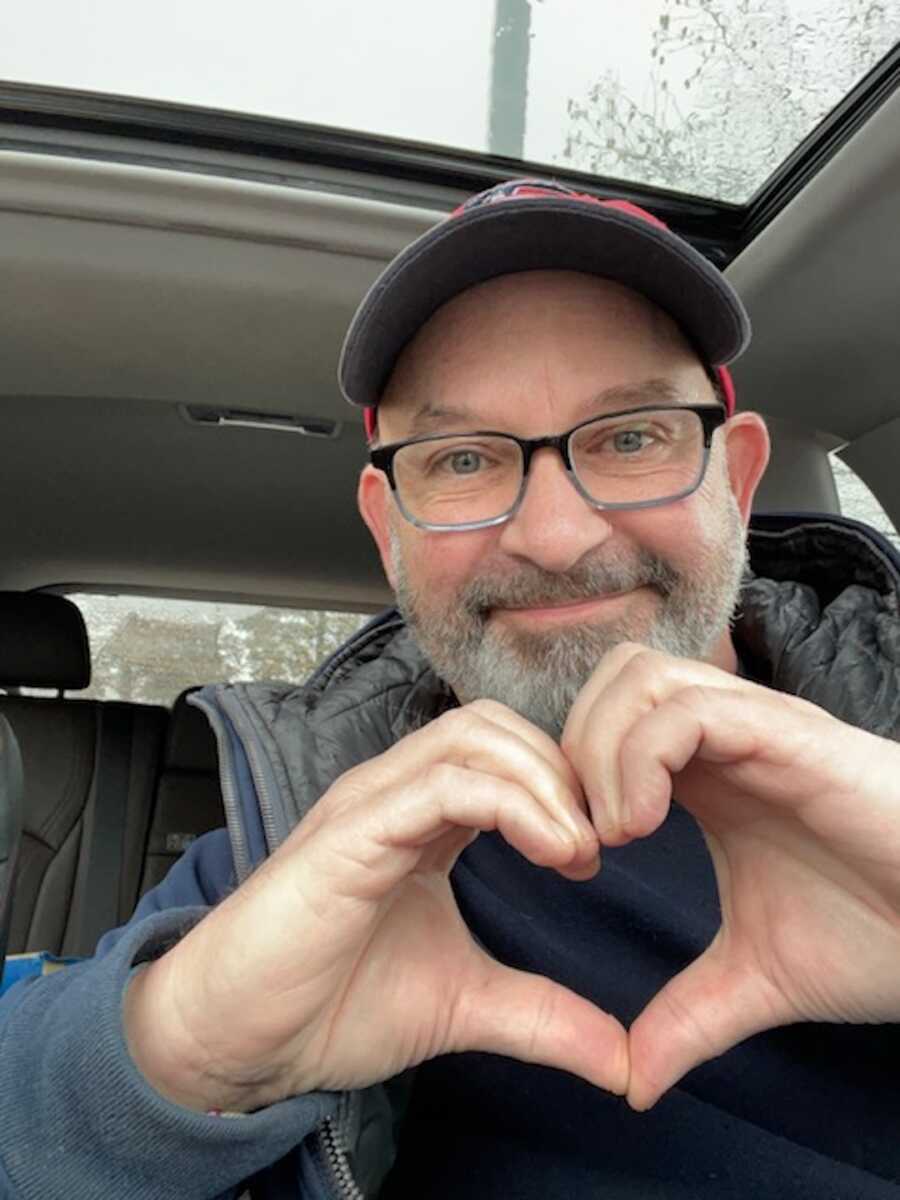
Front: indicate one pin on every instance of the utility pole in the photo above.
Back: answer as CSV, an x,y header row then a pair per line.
x,y
509,78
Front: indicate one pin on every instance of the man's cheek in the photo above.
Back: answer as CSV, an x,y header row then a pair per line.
x,y
679,533
448,567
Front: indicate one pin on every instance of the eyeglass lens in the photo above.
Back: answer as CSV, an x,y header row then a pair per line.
x,y
633,458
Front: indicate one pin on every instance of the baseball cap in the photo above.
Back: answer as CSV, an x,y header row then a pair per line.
x,y
532,225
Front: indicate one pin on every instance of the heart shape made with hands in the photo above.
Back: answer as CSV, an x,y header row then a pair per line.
x,y
801,814
800,811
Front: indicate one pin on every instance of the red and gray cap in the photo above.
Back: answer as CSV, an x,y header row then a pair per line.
x,y
533,225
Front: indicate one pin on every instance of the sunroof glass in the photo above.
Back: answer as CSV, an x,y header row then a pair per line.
x,y
701,96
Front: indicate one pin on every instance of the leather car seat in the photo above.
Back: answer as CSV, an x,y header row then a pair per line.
x,y
90,769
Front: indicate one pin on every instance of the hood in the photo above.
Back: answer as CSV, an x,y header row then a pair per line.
x,y
819,617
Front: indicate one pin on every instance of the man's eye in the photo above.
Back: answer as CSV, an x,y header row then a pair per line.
x,y
629,441
463,462
618,443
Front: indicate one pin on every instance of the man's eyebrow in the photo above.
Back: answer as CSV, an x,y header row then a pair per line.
x,y
634,395
429,415
649,392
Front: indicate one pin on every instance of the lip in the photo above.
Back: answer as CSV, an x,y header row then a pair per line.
x,y
576,612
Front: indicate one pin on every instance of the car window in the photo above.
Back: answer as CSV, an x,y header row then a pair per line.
x,y
659,92
858,502
148,649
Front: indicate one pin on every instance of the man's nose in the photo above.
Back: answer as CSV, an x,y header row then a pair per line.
x,y
554,526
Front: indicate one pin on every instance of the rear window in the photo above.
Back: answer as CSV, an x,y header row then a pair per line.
x,y
149,649
858,502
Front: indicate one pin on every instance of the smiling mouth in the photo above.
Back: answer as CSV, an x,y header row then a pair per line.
x,y
567,611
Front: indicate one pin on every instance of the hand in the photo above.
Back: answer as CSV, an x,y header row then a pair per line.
x,y
344,959
801,814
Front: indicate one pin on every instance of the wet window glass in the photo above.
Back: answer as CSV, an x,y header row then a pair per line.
x,y
701,96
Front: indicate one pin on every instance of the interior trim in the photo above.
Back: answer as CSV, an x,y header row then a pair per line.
x,y
152,197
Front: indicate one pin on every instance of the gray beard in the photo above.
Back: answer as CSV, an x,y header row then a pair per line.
x,y
539,675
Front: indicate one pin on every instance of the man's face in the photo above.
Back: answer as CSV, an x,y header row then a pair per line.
x,y
523,612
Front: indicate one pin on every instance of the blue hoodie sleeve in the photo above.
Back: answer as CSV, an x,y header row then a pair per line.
x,y
77,1118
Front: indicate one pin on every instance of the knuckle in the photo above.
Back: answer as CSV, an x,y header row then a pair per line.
x,y
488,709
460,723
439,777
348,791
543,1021
646,663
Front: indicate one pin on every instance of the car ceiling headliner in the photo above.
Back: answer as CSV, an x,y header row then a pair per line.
x,y
131,291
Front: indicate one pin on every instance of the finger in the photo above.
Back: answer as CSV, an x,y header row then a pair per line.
x,y
541,742
571,797
705,1010
535,1020
451,796
621,694
468,739
621,690
566,802
365,851
760,737
607,670
656,747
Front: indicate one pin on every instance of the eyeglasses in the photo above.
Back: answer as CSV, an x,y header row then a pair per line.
x,y
640,458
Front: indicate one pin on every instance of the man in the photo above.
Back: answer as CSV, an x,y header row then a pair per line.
x,y
558,489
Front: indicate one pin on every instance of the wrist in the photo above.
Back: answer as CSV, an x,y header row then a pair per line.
x,y
162,1050
186,1065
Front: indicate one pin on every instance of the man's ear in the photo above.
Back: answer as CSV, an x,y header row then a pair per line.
x,y
373,497
747,453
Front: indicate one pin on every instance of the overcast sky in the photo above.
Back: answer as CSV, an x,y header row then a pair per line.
x,y
414,68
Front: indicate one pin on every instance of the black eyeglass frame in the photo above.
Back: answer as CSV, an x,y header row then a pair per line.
x,y
712,417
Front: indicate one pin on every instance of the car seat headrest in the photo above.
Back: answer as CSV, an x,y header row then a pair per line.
x,y
43,642
190,742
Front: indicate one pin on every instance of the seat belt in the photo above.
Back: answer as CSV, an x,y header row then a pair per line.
x,y
104,859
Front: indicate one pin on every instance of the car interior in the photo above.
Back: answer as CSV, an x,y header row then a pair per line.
x,y
177,283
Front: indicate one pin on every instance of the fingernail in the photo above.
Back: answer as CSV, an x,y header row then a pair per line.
x,y
585,827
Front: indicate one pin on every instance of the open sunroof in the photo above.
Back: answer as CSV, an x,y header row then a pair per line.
x,y
703,97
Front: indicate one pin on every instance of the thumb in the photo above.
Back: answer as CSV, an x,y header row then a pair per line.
x,y
535,1020
709,1007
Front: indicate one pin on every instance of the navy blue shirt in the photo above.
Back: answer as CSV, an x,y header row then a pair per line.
x,y
807,1111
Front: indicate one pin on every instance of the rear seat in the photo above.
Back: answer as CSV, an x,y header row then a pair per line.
x,y
188,799
10,826
90,770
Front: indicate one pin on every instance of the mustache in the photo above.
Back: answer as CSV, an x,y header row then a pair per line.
x,y
533,587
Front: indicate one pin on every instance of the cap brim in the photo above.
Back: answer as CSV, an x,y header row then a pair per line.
x,y
531,235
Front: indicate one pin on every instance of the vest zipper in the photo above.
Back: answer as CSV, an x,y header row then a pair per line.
x,y
262,794
239,849
331,1146
233,704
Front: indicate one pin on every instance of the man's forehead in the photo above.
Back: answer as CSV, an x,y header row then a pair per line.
x,y
565,307
522,290
472,359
